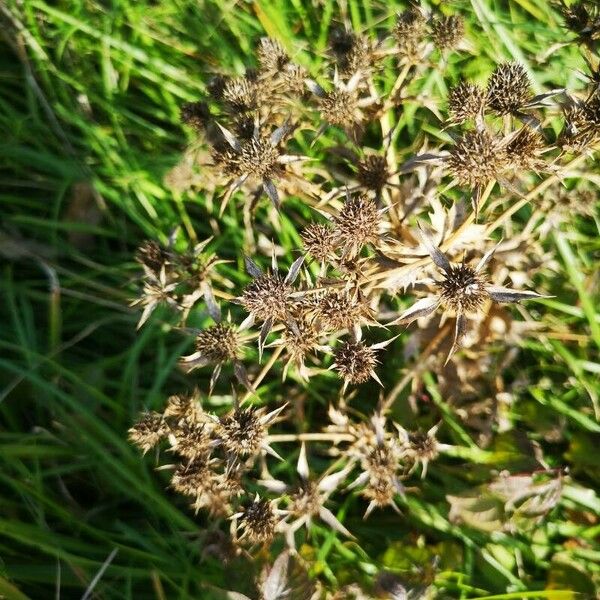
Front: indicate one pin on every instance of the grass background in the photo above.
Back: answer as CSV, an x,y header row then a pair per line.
x,y
89,103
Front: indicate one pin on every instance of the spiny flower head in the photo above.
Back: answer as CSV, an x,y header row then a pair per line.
x,y
219,343
191,478
339,107
195,114
352,52
241,94
509,88
409,31
419,447
476,158
241,432
357,223
319,240
190,438
267,297
462,288
465,101
148,431
257,522
447,32
341,309
152,255
355,361
372,172
524,148
272,57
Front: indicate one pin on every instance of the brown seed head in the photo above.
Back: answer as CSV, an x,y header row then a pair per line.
x,y
523,150
447,32
183,406
476,158
462,289
258,522
409,30
293,77
190,438
381,465
190,479
421,446
300,341
272,57
509,88
258,158
465,101
355,361
340,309
216,86
152,255
148,431
372,172
241,94
268,297
306,500
319,241
339,107
241,432
358,223
195,114
351,51
219,343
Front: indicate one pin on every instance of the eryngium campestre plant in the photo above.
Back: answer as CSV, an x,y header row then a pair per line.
x,y
339,315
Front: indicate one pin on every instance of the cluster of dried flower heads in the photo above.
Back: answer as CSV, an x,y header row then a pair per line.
x,y
400,249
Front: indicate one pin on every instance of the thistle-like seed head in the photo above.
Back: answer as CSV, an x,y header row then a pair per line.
x,y
381,465
272,57
421,446
352,52
509,88
462,289
190,439
190,478
241,94
195,114
339,107
341,309
476,158
372,172
241,432
465,101
267,297
293,78
409,30
300,340
152,255
258,522
183,406
355,361
447,32
358,223
219,343
258,158
319,241
523,150
306,501
216,86
148,431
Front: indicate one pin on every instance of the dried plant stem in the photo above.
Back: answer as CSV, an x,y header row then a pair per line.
x,y
418,366
272,360
311,437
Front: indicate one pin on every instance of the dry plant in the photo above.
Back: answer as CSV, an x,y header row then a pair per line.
x,y
412,245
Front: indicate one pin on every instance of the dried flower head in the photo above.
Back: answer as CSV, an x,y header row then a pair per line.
x,y
241,432
447,32
352,52
148,431
523,149
582,18
195,114
372,172
257,522
218,493
190,438
357,223
335,310
419,447
382,484
158,289
463,289
465,101
218,343
355,362
267,297
190,478
509,88
409,31
319,240
152,255
241,94
271,55
476,158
